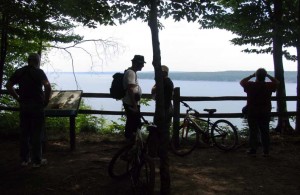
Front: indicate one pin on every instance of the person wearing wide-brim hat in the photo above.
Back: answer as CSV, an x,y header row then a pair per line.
x,y
131,101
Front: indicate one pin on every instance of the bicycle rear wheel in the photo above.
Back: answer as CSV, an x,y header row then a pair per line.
x,y
224,135
118,166
188,140
143,175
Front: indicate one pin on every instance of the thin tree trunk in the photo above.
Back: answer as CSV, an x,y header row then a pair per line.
x,y
298,75
4,42
298,87
283,125
159,107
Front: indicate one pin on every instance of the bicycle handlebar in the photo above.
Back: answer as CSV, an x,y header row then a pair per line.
x,y
147,122
143,119
185,104
197,114
190,109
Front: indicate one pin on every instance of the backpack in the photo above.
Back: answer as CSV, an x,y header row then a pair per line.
x,y
116,90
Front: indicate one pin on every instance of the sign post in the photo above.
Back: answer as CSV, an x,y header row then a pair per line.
x,y
65,104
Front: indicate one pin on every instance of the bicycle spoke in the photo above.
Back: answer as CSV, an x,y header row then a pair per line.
x,y
188,139
143,176
118,166
224,135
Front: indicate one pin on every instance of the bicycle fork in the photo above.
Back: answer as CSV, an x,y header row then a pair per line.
x,y
185,132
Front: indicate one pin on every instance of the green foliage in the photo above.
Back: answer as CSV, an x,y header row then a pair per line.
x,y
36,26
9,123
115,127
87,123
244,131
254,21
145,102
57,127
190,10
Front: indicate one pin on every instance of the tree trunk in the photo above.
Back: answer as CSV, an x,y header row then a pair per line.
x,y
283,125
297,128
3,47
298,89
159,107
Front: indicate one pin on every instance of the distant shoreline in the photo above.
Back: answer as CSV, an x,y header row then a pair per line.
x,y
290,76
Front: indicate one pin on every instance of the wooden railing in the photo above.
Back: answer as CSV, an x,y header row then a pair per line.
x,y
176,101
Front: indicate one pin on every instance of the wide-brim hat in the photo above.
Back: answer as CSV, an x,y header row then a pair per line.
x,y
139,59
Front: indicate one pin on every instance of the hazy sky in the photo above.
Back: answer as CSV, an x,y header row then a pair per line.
x,y
184,47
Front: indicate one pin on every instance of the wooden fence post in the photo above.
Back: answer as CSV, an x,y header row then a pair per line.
x,y
176,115
72,133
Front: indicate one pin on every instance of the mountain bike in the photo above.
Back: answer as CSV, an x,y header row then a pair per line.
x,y
221,133
133,161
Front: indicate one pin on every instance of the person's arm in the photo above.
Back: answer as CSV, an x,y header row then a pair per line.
x,y
246,79
131,94
273,79
11,90
48,90
153,92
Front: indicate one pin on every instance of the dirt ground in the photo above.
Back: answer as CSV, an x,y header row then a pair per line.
x,y
206,171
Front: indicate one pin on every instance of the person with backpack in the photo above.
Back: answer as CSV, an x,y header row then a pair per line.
x,y
259,107
133,93
32,100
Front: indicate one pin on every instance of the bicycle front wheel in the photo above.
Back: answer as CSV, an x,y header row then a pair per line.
x,y
188,139
224,135
118,166
143,175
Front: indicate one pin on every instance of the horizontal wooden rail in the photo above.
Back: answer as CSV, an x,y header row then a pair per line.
x,y
182,98
229,98
177,114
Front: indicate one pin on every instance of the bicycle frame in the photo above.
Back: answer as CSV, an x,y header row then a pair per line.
x,y
131,155
139,140
220,133
141,159
191,118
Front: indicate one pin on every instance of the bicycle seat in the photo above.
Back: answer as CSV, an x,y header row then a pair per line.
x,y
210,111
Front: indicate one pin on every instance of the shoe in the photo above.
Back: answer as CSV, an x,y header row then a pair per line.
x,y
25,163
266,155
37,165
251,153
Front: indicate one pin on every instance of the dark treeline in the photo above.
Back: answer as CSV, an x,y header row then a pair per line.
x,y
290,76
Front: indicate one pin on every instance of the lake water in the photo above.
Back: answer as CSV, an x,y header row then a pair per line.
x,y
100,83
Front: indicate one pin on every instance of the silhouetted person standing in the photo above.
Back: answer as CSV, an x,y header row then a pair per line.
x,y
163,137
32,100
259,107
131,101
